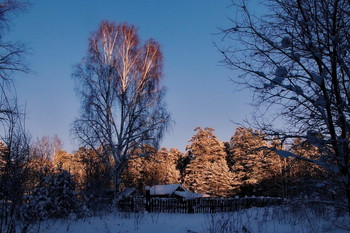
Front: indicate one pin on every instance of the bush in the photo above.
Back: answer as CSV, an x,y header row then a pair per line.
x,y
55,197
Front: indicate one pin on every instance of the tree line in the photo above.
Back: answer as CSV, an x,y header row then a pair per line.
x,y
242,166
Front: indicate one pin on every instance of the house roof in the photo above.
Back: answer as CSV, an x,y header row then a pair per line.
x,y
167,189
190,195
173,189
127,192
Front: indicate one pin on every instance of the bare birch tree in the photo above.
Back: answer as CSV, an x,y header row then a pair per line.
x,y
296,59
119,84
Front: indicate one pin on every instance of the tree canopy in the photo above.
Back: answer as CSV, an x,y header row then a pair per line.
x,y
119,84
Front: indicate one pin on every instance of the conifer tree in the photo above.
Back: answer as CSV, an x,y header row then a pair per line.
x,y
208,172
63,159
133,174
54,197
252,164
158,168
161,168
37,168
91,173
302,169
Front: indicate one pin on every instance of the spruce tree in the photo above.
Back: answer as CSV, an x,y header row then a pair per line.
x,y
303,169
157,168
54,197
305,177
208,172
252,164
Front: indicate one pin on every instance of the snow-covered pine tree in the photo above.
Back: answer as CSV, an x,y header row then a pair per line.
x,y
63,196
302,169
39,205
55,197
309,179
208,172
252,164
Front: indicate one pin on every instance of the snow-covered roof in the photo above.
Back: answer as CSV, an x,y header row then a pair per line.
x,y
190,195
167,189
127,192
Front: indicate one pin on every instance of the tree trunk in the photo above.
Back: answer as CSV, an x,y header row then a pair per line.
x,y
115,185
117,181
348,198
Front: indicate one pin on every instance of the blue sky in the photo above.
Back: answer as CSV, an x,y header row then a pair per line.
x,y
199,91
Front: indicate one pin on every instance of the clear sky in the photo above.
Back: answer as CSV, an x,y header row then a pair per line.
x,y
199,91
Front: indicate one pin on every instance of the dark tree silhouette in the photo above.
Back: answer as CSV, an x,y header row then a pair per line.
x,y
297,59
15,149
11,59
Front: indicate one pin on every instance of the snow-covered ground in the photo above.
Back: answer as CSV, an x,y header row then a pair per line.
x,y
263,220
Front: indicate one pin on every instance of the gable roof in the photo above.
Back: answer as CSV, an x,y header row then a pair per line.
x,y
190,195
127,192
166,189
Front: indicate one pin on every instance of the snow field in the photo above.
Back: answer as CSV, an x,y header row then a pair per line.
x,y
277,219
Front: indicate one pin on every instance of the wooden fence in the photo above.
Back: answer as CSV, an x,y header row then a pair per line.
x,y
201,205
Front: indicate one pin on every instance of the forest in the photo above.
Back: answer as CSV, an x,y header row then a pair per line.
x,y
55,183
295,61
